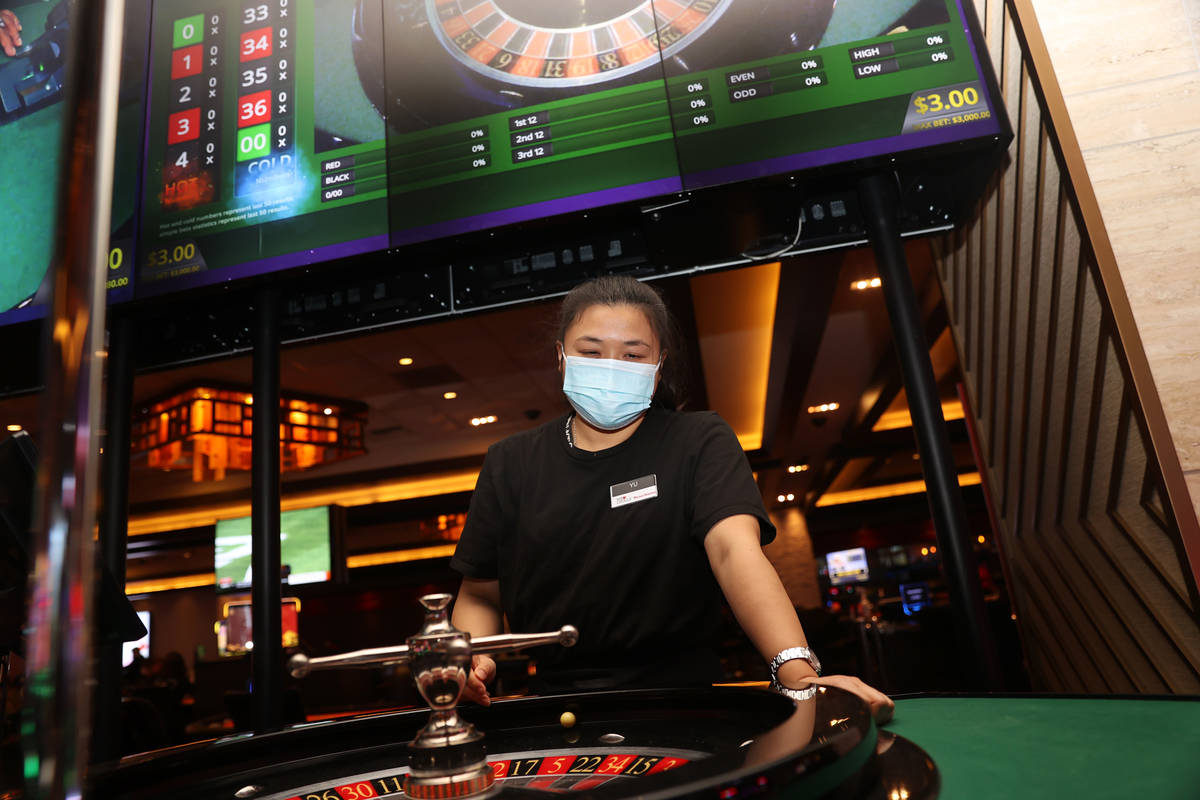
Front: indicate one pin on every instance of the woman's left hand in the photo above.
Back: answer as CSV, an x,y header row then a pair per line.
x,y
880,704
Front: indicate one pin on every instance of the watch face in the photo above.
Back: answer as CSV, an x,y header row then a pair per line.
x,y
568,43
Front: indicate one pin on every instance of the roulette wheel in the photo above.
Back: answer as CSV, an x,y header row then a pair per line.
x,y
720,742
428,62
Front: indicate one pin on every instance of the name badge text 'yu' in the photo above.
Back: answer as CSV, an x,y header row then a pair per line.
x,y
634,491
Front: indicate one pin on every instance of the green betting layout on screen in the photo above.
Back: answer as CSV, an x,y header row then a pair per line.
x,y
303,543
877,72
241,112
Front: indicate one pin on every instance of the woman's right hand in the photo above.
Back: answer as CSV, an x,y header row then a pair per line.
x,y
10,32
483,670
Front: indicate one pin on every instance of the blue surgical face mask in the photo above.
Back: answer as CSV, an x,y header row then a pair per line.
x,y
609,394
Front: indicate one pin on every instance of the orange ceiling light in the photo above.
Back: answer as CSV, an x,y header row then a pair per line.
x,y
400,556
887,490
824,408
207,430
360,494
893,420
170,583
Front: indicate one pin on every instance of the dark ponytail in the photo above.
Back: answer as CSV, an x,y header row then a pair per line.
x,y
622,290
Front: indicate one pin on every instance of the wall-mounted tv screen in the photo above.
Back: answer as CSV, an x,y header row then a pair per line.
x,y
848,566
142,645
235,634
914,597
285,132
306,547
32,89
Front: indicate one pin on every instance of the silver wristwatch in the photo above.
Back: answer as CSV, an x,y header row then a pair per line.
x,y
790,654
796,694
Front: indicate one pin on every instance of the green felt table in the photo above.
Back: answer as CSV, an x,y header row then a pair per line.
x,y
1034,747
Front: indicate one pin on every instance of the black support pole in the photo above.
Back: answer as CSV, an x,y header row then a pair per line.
x,y
265,595
114,529
880,204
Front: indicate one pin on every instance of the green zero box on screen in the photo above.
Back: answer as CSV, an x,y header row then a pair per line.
x,y
304,544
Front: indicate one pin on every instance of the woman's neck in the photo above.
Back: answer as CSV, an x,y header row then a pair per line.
x,y
586,437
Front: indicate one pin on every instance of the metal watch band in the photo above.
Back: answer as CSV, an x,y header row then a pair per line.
x,y
790,654
795,694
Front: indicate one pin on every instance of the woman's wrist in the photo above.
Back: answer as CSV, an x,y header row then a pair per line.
x,y
795,673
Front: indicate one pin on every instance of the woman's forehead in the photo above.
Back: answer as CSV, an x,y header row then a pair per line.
x,y
623,323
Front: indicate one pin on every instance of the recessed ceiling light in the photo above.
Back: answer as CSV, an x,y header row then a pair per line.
x,y
863,285
791,497
824,408
781,498
406,361
477,421
328,411
794,468
14,428
450,395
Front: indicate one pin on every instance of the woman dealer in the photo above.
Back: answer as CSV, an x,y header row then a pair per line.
x,y
627,521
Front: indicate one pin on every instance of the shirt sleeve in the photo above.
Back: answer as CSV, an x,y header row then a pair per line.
x,y
478,552
723,484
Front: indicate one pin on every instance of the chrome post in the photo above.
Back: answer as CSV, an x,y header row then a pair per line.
x,y
59,668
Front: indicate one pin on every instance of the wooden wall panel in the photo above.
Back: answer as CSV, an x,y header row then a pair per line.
x,y
1091,526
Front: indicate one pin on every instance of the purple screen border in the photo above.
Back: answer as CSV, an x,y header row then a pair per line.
x,y
539,210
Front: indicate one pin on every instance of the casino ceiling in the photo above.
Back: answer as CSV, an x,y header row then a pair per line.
x,y
771,346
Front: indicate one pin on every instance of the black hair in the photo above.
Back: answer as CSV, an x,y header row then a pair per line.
x,y
622,290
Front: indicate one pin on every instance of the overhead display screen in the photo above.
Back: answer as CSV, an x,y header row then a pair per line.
x,y
525,108
286,132
34,42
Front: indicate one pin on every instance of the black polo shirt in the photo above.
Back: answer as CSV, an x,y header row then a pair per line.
x,y
631,573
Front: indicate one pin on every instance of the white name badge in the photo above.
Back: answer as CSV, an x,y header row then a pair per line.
x,y
634,491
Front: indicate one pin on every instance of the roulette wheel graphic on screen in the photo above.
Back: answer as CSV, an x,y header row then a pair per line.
x,y
429,62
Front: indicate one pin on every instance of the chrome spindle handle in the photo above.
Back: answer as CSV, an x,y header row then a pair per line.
x,y
301,665
566,636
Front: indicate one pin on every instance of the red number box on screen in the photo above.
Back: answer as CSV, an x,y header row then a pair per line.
x,y
186,61
255,44
183,126
254,108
